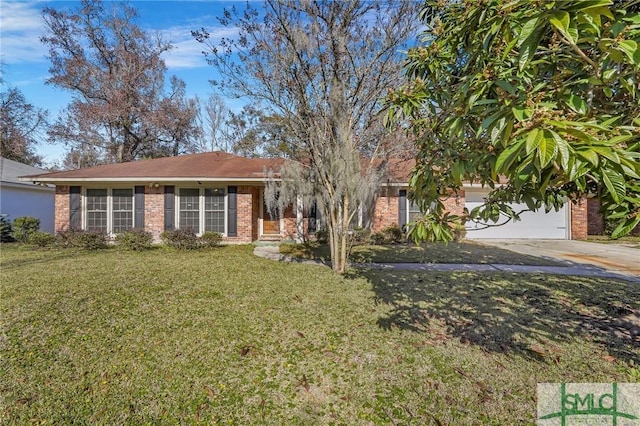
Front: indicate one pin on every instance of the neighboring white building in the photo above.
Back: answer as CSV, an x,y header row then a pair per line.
x,y
19,198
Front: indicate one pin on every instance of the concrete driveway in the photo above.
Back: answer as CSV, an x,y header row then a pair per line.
x,y
613,257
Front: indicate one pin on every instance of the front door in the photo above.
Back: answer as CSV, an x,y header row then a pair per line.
x,y
270,224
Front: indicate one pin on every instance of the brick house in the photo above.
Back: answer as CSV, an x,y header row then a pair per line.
x,y
222,192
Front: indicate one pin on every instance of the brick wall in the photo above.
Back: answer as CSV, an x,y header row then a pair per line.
x,y
595,221
455,202
386,207
290,231
596,224
61,220
385,210
246,227
154,211
579,219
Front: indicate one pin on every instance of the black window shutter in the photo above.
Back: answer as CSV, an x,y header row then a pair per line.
x,y
313,212
169,208
232,213
402,209
75,207
139,203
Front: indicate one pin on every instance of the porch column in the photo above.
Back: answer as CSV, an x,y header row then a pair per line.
x,y
299,220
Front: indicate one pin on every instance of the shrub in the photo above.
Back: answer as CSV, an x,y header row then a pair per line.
x,y
377,238
5,231
210,239
389,235
89,240
65,238
322,236
41,239
392,234
181,239
135,239
24,226
360,235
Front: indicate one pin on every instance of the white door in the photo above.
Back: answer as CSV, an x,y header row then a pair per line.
x,y
532,225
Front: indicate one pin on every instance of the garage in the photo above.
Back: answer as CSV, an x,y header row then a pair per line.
x,y
533,225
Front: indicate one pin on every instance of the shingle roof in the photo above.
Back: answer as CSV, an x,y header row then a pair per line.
x,y
204,166
399,170
10,171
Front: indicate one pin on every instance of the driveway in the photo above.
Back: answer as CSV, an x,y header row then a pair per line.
x,y
613,257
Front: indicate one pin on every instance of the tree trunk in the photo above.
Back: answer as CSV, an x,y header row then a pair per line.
x,y
338,256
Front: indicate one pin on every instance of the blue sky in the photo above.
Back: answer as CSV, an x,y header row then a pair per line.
x,y
25,63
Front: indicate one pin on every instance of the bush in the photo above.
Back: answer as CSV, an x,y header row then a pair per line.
x,y
89,240
24,226
135,239
210,239
377,239
181,239
392,234
66,238
322,236
5,230
360,235
41,239
389,235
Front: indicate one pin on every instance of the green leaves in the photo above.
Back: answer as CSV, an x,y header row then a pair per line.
x,y
615,184
561,21
544,96
630,48
577,104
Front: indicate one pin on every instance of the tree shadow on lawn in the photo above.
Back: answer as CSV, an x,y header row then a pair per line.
x,y
525,314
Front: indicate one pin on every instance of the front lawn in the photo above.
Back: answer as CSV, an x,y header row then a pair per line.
x,y
632,241
454,252
223,337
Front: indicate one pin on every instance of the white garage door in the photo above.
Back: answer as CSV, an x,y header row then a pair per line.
x,y
552,225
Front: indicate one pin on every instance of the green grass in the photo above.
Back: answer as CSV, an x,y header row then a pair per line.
x,y
454,252
629,241
223,337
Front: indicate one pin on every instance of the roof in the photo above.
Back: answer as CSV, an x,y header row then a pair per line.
x,y
208,166
399,170
10,171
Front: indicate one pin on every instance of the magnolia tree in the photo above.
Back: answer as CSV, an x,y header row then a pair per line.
x,y
536,99
322,68
120,109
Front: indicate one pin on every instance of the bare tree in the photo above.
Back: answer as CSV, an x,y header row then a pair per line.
x,y
21,125
216,113
116,74
323,67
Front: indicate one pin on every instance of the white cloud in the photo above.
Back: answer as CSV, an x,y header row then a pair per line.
x,y
187,52
21,25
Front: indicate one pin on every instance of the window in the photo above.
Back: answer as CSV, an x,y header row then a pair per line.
x,y
189,209
122,200
108,210
214,210
413,211
96,210
202,210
